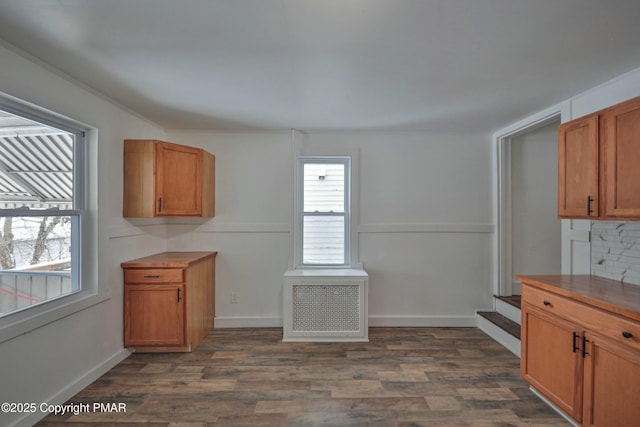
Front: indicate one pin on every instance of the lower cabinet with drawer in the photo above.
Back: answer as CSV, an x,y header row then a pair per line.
x,y
169,301
581,346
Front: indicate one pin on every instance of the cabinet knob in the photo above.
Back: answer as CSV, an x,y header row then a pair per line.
x,y
547,303
627,334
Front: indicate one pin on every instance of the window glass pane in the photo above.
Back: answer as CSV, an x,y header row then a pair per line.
x,y
39,251
324,187
323,240
35,260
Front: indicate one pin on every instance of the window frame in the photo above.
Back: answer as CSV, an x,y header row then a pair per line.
x,y
346,161
83,227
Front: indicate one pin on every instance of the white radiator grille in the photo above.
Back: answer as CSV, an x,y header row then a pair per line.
x,y
329,306
326,307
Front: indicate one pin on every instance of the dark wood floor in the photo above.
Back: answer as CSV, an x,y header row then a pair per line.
x,y
249,377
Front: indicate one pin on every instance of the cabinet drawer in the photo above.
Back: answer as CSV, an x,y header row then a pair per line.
x,y
608,325
154,275
551,303
612,326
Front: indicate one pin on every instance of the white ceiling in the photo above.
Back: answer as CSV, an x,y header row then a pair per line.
x,y
331,64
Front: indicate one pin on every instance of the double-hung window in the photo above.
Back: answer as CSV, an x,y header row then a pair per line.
x,y
41,209
324,211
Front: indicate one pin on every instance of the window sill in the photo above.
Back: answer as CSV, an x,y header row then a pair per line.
x,y
326,272
24,322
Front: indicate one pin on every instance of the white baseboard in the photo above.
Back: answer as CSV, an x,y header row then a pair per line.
x,y
509,311
247,322
375,321
74,388
507,340
423,321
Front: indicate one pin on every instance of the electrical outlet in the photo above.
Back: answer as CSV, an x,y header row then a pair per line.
x,y
234,297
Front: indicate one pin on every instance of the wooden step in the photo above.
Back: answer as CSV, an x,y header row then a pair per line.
x,y
514,300
509,326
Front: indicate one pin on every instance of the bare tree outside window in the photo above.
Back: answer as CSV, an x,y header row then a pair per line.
x,y
42,239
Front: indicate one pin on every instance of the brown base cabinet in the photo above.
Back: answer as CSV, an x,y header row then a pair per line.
x,y
612,384
144,326
169,301
546,353
581,346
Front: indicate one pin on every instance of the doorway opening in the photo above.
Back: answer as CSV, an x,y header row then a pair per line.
x,y
535,227
523,151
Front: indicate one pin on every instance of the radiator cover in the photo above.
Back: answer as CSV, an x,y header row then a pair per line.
x,y
320,306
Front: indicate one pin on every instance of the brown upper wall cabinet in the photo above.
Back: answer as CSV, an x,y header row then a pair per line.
x,y
162,179
578,186
622,160
598,158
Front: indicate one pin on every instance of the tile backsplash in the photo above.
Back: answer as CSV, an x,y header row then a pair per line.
x,y
615,250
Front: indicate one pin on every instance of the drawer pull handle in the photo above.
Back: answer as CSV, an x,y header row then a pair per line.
x,y
152,277
179,295
575,347
589,210
547,303
627,334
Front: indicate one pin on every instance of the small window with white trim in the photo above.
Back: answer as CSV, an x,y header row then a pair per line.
x,y
323,211
41,208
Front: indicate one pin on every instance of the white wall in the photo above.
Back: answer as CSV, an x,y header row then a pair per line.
x,y
616,90
424,229
53,362
534,183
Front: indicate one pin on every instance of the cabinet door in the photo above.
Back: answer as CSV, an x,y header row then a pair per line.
x,y
578,154
550,361
622,165
178,180
154,315
611,384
